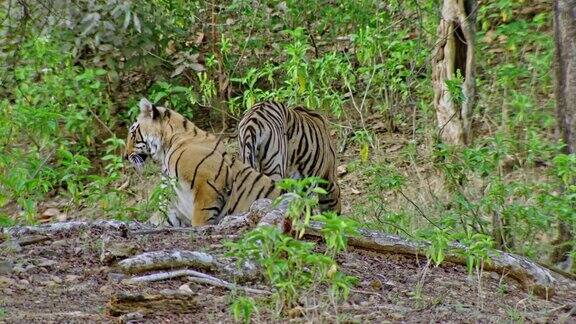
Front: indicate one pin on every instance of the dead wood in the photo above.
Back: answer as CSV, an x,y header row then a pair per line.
x,y
74,226
193,276
224,284
168,260
33,239
529,274
172,301
167,275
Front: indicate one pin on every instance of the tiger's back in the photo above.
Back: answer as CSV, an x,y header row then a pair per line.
x,y
282,142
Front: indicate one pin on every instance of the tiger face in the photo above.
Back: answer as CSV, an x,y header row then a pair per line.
x,y
144,136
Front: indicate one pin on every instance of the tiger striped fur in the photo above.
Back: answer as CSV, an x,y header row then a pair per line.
x,y
282,142
210,183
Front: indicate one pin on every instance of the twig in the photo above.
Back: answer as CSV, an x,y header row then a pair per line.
x,y
165,230
418,209
564,318
194,276
102,123
166,275
365,292
224,284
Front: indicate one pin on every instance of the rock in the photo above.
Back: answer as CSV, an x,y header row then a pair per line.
x,y
18,269
355,191
51,212
115,277
46,263
158,220
115,251
24,282
106,289
72,278
342,170
295,312
5,281
59,243
56,279
185,288
49,283
11,246
6,266
376,284
31,267
62,217
131,317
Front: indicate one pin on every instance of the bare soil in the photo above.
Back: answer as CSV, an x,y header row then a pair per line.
x,y
63,280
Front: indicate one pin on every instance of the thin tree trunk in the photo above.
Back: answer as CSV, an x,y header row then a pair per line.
x,y
565,71
454,52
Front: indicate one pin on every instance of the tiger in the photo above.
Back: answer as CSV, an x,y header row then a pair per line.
x,y
295,143
210,183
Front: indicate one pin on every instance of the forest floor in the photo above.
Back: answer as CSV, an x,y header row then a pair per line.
x,y
64,280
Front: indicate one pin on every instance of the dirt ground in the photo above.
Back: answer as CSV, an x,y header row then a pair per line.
x,y
63,280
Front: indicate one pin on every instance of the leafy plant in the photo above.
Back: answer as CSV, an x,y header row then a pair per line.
x,y
364,139
291,266
336,230
303,197
242,308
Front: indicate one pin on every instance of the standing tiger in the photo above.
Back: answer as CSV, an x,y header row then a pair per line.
x,y
282,142
210,183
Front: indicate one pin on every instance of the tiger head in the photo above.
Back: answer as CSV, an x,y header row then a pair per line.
x,y
145,135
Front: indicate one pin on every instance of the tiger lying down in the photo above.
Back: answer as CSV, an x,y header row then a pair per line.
x,y
210,183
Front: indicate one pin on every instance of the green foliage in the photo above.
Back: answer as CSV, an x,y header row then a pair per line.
x,y
52,112
303,197
336,230
56,137
364,139
477,251
439,243
291,266
242,308
455,88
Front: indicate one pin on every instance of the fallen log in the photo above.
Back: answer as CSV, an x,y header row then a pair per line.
x,y
171,301
529,274
74,226
168,260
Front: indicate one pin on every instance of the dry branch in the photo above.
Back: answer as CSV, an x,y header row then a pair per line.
x,y
173,301
228,285
68,227
167,275
167,260
33,239
194,276
530,275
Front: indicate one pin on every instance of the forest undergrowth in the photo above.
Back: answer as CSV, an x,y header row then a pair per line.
x,y
72,74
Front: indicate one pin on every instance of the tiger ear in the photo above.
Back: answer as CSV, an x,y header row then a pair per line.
x,y
148,109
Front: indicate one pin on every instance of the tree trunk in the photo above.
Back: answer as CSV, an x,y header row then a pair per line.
x,y
565,70
454,52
